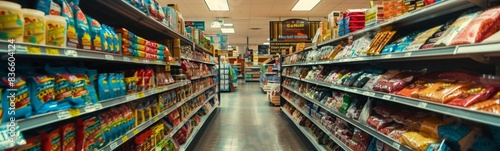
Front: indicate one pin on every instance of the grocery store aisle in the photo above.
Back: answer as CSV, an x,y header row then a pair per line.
x,y
246,122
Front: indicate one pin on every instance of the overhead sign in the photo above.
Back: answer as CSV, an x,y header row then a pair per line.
x,y
196,24
294,29
263,49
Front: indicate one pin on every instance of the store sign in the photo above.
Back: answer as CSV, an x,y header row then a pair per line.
x,y
196,24
263,49
294,29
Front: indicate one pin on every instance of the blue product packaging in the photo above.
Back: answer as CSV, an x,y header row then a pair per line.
x,y
103,89
63,92
91,96
16,91
96,34
82,25
123,87
112,85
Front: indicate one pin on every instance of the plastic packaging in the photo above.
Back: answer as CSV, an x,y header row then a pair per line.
x,y
430,126
96,34
455,28
458,137
415,121
474,95
34,26
22,106
55,31
12,21
378,122
417,141
48,7
483,26
67,13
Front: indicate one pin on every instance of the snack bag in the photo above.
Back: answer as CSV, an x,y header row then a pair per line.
x,y
458,137
67,12
95,34
456,28
112,84
91,96
23,106
51,140
48,7
32,143
422,38
82,26
103,89
483,26
131,84
474,95
417,141
43,88
68,137
430,126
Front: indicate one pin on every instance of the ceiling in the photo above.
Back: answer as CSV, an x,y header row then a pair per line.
x,y
246,14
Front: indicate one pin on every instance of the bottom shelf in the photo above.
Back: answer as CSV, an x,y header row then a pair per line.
x,y
309,136
197,129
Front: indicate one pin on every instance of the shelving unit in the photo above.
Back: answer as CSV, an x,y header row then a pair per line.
x,y
304,131
476,58
137,22
252,73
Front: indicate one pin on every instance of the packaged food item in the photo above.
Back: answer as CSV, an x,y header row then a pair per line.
x,y
388,129
397,134
485,104
458,137
439,146
484,143
385,110
417,141
51,139
366,111
430,126
415,121
422,38
398,82
32,143
401,115
484,25
43,93
493,38
55,34
474,95
103,89
373,81
361,138
82,25
443,92
22,106
434,38
112,84
12,21
34,26
131,84
456,28
412,89
68,137
48,7
378,122
97,43
71,35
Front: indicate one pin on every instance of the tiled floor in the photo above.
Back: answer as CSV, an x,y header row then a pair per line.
x,y
247,122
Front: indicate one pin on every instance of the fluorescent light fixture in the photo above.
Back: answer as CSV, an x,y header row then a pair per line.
x,y
305,5
227,30
217,5
215,24
266,43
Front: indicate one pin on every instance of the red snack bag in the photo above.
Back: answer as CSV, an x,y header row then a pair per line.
x,y
385,111
483,26
387,130
68,137
474,95
402,115
361,137
378,122
51,141
398,82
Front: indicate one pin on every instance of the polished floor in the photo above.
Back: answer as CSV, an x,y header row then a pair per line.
x,y
247,122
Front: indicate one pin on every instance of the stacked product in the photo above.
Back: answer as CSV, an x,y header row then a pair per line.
x,y
351,21
136,46
166,15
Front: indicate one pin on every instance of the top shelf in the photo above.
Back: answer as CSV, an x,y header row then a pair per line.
x,y
133,19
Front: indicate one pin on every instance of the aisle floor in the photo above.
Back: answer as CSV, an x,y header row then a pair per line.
x,y
247,122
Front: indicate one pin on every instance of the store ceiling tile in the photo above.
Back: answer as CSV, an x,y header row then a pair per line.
x,y
246,14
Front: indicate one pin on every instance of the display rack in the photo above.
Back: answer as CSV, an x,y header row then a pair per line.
x,y
136,21
225,78
268,77
478,58
252,73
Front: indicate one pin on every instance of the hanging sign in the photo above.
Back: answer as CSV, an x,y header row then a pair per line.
x,y
294,29
196,24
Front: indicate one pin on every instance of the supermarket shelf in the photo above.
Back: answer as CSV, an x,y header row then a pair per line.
x,y
356,123
464,113
463,51
271,73
73,53
425,13
130,134
252,72
306,132
178,127
252,80
52,117
253,67
138,21
204,76
193,60
202,49
195,131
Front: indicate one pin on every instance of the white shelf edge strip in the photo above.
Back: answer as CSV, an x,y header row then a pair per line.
x,y
197,129
464,113
193,60
52,117
309,136
130,134
365,128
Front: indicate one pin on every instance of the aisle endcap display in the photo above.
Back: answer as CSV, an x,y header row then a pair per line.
x,y
52,117
51,51
130,134
365,128
473,115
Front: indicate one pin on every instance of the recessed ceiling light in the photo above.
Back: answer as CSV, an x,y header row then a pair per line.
x,y
217,5
305,5
227,30
266,43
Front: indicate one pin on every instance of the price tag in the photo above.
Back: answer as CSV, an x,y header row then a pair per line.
x,y
387,56
136,59
74,112
386,97
395,145
369,93
157,62
71,53
422,104
109,57
167,66
408,54
136,131
113,145
63,114
141,95
34,50
128,97
97,106
145,61
89,108
125,138
126,59
52,51
354,90
156,119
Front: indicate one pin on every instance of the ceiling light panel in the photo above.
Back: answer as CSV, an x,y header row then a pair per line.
x,y
227,30
217,5
305,5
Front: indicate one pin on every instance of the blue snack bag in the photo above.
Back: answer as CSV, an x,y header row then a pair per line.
x,y
67,12
48,7
112,85
95,34
42,90
82,26
91,96
103,89
16,91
